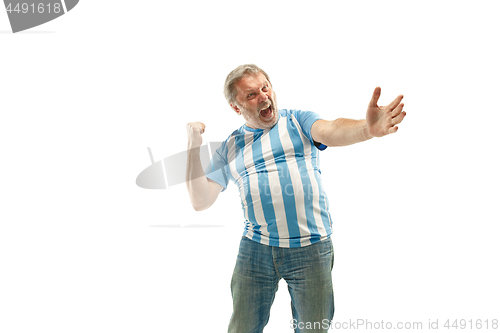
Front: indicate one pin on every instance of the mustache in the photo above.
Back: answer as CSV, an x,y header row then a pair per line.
x,y
266,105
270,102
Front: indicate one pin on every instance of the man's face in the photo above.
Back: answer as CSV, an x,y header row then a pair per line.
x,y
256,101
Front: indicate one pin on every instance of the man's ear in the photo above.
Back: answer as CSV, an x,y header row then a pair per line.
x,y
236,108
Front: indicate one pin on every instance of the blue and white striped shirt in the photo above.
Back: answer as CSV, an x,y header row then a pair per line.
x,y
278,176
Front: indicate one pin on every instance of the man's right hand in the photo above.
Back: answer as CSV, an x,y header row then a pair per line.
x,y
202,191
195,130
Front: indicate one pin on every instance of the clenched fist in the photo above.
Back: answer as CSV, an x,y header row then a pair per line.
x,y
195,130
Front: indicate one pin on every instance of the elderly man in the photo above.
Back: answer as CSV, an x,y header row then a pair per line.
x,y
273,159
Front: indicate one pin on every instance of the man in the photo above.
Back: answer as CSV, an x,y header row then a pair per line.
x,y
273,158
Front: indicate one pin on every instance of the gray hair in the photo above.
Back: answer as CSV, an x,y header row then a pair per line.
x,y
237,74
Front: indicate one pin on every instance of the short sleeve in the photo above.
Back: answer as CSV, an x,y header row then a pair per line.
x,y
306,119
218,169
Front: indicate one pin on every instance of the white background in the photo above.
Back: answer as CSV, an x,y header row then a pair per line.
x,y
83,249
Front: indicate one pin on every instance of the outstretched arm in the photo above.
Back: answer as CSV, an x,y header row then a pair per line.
x,y
380,121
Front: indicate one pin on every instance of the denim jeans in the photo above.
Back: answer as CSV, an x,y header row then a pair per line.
x,y
308,273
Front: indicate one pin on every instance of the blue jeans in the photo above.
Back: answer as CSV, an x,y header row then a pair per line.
x,y
308,273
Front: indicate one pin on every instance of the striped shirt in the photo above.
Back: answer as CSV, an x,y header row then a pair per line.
x,y
278,177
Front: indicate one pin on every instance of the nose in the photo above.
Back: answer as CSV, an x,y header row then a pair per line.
x,y
263,96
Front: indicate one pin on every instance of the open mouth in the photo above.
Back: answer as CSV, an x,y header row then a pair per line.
x,y
267,112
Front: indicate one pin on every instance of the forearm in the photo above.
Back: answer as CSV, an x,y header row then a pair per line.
x,y
344,132
196,181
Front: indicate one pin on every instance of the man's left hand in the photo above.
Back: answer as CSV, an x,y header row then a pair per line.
x,y
382,120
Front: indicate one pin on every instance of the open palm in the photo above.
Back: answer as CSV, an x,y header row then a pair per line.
x,y
382,120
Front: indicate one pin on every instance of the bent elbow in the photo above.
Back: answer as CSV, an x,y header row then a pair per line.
x,y
199,207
